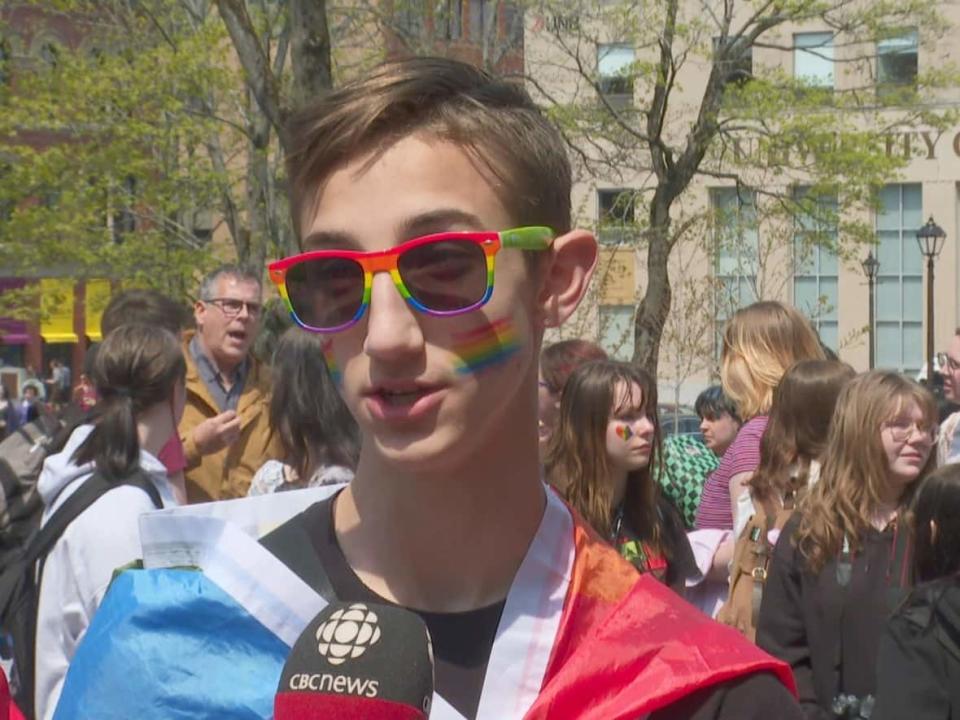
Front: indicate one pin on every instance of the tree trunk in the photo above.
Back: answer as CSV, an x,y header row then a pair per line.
x,y
309,50
655,306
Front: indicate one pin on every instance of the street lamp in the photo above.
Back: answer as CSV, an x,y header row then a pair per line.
x,y
930,238
871,266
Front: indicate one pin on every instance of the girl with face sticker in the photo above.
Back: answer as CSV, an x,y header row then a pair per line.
x,y
842,562
602,453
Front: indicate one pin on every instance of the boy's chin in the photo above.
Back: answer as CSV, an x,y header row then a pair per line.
x,y
424,453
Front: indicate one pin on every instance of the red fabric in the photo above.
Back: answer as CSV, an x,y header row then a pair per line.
x,y
320,705
628,645
172,455
8,709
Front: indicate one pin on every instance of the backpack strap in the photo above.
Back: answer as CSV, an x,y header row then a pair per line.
x,y
86,495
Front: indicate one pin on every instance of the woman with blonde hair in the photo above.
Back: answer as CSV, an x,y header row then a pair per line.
x,y
842,562
760,343
601,454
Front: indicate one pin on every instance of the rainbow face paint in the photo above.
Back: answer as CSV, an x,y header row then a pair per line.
x,y
624,432
486,346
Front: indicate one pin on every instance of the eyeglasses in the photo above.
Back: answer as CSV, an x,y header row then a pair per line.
x,y
231,307
902,431
442,274
945,362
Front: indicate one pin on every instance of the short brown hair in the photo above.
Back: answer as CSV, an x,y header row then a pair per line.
x,y
144,306
494,120
559,360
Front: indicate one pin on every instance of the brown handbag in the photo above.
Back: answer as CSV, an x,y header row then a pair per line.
x,y
748,571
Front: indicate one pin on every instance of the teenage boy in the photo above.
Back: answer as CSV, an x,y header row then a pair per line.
x,y
433,203
463,174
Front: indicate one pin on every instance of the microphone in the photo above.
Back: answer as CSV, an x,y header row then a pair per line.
x,y
358,661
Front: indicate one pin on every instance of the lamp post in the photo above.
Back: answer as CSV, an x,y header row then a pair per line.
x,y
930,238
871,266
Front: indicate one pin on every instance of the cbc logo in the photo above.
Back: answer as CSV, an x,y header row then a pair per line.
x,y
348,633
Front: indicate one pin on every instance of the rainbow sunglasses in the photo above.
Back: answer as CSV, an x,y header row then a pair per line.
x,y
442,274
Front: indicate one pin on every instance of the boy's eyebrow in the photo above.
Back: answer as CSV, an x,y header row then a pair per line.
x,y
427,223
329,240
439,220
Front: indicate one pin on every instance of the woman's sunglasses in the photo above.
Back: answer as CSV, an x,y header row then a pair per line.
x,y
442,274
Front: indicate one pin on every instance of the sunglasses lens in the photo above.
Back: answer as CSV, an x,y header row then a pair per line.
x,y
325,292
445,276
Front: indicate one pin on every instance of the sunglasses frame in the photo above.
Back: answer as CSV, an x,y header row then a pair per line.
x,y
523,238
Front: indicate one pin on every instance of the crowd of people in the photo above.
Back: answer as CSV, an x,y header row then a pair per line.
x,y
800,562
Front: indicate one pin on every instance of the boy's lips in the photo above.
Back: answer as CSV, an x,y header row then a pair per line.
x,y
403,401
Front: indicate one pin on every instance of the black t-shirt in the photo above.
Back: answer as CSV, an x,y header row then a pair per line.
x,y
462,641
675,561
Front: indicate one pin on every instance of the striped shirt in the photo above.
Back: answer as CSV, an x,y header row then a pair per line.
x,y
715,512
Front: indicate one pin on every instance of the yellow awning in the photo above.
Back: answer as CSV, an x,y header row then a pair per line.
x,y
97,297
56,305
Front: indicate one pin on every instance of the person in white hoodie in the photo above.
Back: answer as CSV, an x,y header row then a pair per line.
x,y
139,374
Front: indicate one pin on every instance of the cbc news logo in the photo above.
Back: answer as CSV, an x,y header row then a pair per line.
x,y
348,633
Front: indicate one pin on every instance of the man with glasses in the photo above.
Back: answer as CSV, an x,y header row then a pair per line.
x,y
225,430
948,446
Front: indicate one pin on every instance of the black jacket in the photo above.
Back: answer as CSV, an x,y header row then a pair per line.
x,y
830,633
918,672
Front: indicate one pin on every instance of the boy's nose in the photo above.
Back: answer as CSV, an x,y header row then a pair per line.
x,y
392,327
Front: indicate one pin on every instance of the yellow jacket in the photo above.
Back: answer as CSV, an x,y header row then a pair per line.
x,y
226,474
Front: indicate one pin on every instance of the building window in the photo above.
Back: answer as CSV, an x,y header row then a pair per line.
x,y
897,63
813,59
478,12
447,19
615,72
899,295
616,331
736,243
408,18
616,216
815,281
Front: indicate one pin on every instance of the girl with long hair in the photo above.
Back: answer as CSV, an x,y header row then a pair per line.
x,y
842,562
319,436
796,436
602,453
790,453
919,663
139,375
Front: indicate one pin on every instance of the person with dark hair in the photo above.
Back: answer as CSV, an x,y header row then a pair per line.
x,y
719,421
225,428
842,562
918,670
557,361
319,436
146,306
606,442
139,374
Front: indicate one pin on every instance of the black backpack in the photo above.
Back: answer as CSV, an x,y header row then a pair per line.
x,y
21,458
20,582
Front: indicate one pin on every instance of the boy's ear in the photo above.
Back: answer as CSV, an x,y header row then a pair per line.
x,y
566,276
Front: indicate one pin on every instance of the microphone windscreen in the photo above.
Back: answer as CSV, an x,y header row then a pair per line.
x,y
358,661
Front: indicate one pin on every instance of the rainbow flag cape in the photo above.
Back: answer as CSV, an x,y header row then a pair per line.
x,y
205,630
